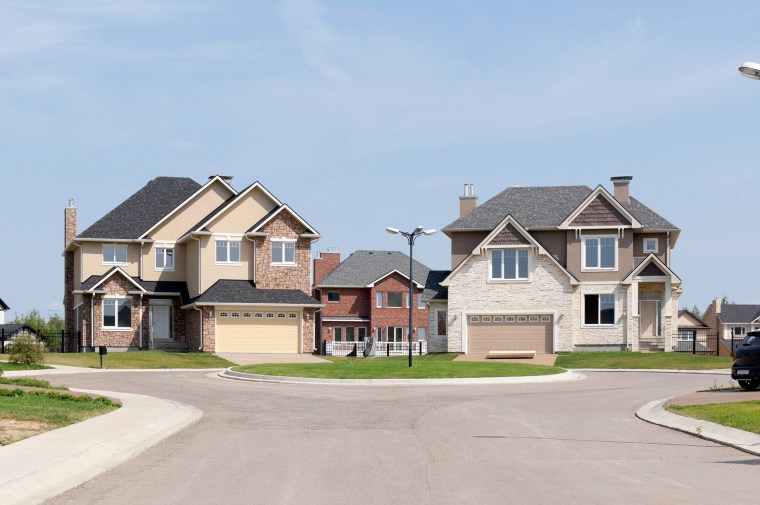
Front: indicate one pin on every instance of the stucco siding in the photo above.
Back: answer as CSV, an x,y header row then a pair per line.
x,y
548,291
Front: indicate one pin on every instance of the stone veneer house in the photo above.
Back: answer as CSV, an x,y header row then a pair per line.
x,y
189,266
562,268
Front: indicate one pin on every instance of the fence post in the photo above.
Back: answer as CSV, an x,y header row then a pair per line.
x,y
717,345
2,339
694,342
79,341
388,349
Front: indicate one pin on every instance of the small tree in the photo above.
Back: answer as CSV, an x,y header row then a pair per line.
x,y
26,350
695,310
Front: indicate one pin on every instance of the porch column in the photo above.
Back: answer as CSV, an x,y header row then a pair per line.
x,y
667,318
634,318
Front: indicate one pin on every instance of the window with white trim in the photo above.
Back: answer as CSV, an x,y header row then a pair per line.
x,y
421,334
227,252
283,252
498,319
379,299
599,309
533,319
258,315
117,313
247,315
600,253
522,319
651,245
236,315
509,319
474,319
486,319
165,259
224,314
280,315
509,264
292,315
546,319
338,334
739,331
114,254
350,334
270,315
394,299
395,334
420,302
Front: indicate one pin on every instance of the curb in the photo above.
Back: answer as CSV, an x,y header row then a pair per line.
x,y
717,371
44,466
655,413
565,376
62,369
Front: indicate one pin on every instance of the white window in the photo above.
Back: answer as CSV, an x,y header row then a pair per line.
x,y
247,315
651,245
522,319
599,309
600,253
395,334
292,315
739,331
509,264
421,334
280,315
236,315
117,313
165,258
509,319
394,299
474,319
258,315
270,315
283,252
420,302
379,299
114,254
498,319
545,319
350,333
486,319
227,252
533,319
224,314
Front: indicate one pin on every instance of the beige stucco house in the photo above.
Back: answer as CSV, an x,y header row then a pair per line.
x,y
189,266
562,268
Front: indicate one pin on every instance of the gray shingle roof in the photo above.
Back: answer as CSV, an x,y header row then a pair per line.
x,y
141,211
544,207
433,289
738,313
168,287
9,330
364,267
244,292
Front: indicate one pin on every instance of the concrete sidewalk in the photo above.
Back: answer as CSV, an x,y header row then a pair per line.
x,y
38,468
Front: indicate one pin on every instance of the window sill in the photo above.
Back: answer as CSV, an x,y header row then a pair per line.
x,y
227,264
599,326
599,269
106,328
164,270
282,264
508,281
117,264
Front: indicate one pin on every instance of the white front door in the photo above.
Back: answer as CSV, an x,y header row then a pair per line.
x,y
161,321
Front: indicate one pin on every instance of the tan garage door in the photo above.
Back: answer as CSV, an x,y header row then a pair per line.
x,y
509,333
257,331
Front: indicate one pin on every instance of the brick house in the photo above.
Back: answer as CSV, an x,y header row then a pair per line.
x,y
189,266
559,268
367,294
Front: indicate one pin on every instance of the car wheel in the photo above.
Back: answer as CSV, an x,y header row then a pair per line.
x,y
750,385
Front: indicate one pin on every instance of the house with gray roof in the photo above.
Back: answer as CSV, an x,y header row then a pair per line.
x,y
731,320
558,268
189,266
367,295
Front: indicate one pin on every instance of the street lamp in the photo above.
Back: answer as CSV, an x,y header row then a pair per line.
x,y
411,236
750,69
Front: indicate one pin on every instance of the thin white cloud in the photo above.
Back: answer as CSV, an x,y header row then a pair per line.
x,y
304,19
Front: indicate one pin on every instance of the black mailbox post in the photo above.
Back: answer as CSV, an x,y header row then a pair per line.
x,y
102,350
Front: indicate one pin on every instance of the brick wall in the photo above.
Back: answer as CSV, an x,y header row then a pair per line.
x,y
353,302
386,316
325,264
118,285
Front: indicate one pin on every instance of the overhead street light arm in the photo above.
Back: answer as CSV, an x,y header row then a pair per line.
x,y
750,69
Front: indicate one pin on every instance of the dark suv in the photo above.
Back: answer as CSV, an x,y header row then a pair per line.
x,y
746,367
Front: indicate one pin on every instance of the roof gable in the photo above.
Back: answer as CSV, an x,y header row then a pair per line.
x,y
600,210
257,228
509,235
3,306
652,266
363,268
738,313
225,208
143,210
389,274
115,270
687,319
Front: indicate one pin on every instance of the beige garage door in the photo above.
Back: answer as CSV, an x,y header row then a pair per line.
x,y
509,333
257,331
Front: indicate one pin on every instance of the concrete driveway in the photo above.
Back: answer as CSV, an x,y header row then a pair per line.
x,y
564,443
243,358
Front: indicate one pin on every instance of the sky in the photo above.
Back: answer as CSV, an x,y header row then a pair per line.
x,y
364,115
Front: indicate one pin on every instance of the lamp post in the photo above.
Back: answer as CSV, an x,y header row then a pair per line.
x,y
750,69
411,236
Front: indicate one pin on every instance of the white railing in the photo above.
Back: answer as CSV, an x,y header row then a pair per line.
x,y
383,348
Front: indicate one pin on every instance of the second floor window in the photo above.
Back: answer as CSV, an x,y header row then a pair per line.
x,y
333,296
165,258
395,299
509,264
600,253
227,251
283,252
115,254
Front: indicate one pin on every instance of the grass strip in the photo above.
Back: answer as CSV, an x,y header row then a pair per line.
x,y
642,360
139,359
741,415
12,366
34,383
433,366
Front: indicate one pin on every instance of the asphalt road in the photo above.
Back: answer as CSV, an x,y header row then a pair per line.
x,y
575,442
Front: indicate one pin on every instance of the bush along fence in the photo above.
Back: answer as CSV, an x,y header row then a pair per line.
x,y
54,342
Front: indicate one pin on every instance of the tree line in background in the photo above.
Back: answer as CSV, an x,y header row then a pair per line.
x,y
35,320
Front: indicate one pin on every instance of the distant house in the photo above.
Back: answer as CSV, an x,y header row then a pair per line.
x,y
732,320
3,308
9,332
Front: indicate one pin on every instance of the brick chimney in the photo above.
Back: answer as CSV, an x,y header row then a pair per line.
x,y
69,223
325,264
717,305
622,185
468,201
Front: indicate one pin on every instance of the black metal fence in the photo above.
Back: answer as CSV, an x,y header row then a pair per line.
x,y
59,342
694,342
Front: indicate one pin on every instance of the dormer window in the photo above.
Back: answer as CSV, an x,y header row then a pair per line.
x,y
509,264
114,254
599,253
651,245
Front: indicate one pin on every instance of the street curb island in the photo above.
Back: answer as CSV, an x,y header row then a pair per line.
x,y
565,376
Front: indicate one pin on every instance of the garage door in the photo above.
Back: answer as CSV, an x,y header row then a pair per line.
x,y
509,333
257,331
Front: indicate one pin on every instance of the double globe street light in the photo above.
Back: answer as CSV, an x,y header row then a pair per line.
x,y
411,236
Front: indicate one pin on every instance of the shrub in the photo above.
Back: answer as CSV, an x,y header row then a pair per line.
x,y
26,350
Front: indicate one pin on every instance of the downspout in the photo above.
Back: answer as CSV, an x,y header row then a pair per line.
x,y
141,311
92,321
667,252
254,257
201,326
199,262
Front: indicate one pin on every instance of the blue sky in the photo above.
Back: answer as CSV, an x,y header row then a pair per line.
x,y
363,115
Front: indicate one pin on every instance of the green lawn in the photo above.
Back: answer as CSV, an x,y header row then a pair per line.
x,y
9,366
136,359
425,367
642,360
741,415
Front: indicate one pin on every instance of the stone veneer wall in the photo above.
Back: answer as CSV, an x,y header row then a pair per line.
x,y
308,331
118,285
549,290
436,343
296,276
602,335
